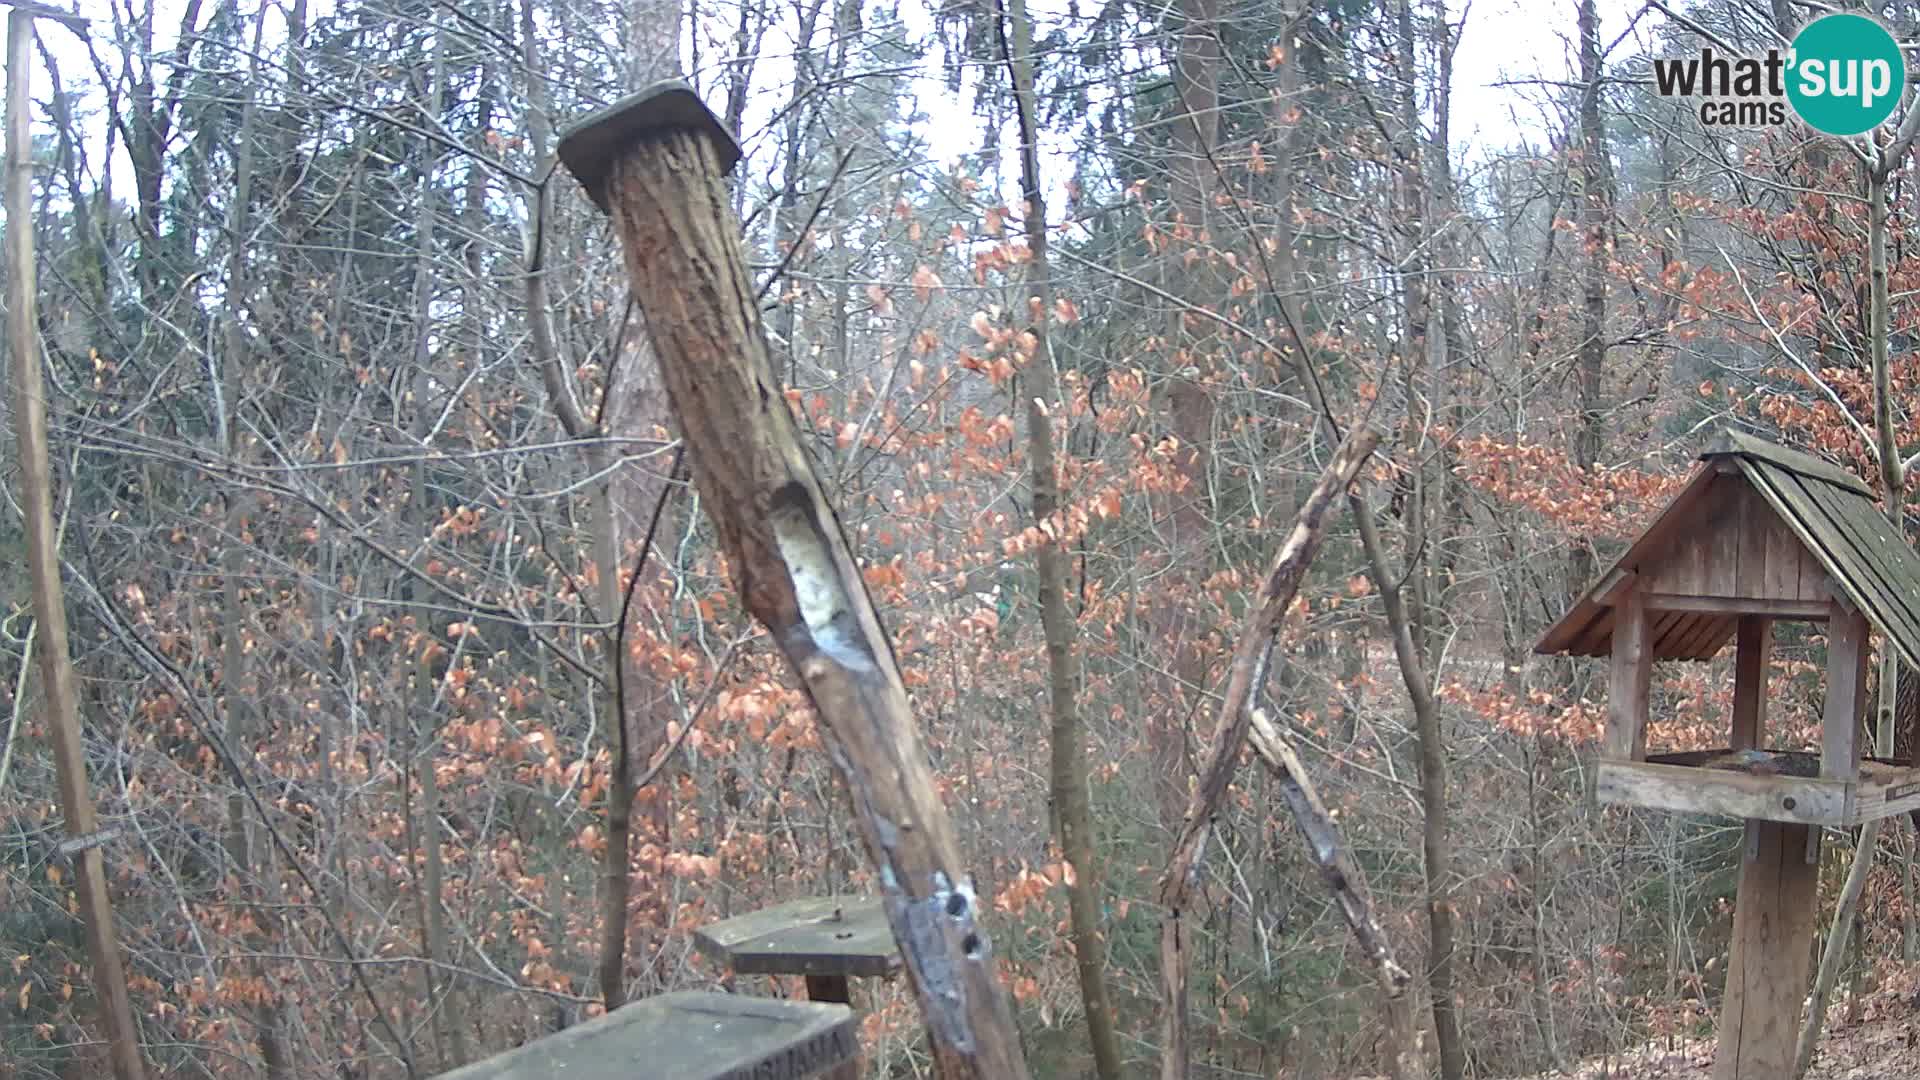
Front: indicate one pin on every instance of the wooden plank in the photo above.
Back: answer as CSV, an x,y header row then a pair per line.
x,y
1750,667
1689,789
1719,539
690,1035
1772,951
1740,443
826,936
1752,519
1874,564
1893,562
1785,553
1887,793
1810,610
1722,632
1656,540
1694,640
1805,506
1630,677
1846,693
1594,637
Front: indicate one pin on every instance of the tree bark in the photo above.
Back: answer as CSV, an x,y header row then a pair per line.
x,y
796,572
1437,855
59,688
1590,364
1071,800
1230,733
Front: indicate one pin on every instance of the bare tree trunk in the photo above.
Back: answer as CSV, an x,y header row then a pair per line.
x,y
57,679
1433,798
421,720
1893,481
1068,739
1595,185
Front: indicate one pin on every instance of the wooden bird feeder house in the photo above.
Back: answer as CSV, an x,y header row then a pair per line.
x,y
1759,534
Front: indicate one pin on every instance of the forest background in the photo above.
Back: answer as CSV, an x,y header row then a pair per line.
x,y
370,507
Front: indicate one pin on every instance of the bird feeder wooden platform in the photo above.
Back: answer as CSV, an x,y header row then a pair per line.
x,y
828,940
1759,534
691,1035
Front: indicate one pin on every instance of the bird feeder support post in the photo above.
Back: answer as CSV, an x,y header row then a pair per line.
x,y
655,162
1754,652
1630,679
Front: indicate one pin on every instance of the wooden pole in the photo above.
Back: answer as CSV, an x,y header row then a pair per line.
x,y
1772,951
43,565
655,163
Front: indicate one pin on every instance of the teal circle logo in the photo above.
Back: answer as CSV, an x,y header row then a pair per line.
x,y
1845,74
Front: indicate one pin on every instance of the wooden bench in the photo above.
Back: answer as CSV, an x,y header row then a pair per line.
x,y
827,939
691,1035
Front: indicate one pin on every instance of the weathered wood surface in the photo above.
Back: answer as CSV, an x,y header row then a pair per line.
x,y
831,935
1699,782
1231,724
1690,789
1750,667
1763,523
1740,444
1772,954
1870,568
1629,680
790,559
692,1035
1846,695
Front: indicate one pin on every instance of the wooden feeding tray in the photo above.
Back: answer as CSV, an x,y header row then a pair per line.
x,y
693,1035
1781,786
827,939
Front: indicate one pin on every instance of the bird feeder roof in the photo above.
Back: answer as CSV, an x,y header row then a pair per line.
x,y
1764,527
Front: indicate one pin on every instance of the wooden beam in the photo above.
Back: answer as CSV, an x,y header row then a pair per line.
x,y
657,162
1846,692
1772,952
1750,682
1629,681
1690,789
1809,610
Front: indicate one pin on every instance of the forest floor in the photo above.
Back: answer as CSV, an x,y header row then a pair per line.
x,y
1884,1044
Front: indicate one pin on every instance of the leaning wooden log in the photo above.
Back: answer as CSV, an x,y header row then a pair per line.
x,y
655,163
1230,733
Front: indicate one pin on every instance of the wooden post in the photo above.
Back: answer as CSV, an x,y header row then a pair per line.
x,y
1754,653
655,162
1772,952
43,565
1629,679
1846,690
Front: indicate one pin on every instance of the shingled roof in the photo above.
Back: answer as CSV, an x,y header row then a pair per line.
x,y
1829,511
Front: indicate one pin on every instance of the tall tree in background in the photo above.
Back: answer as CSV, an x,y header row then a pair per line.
x,y
1067,739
